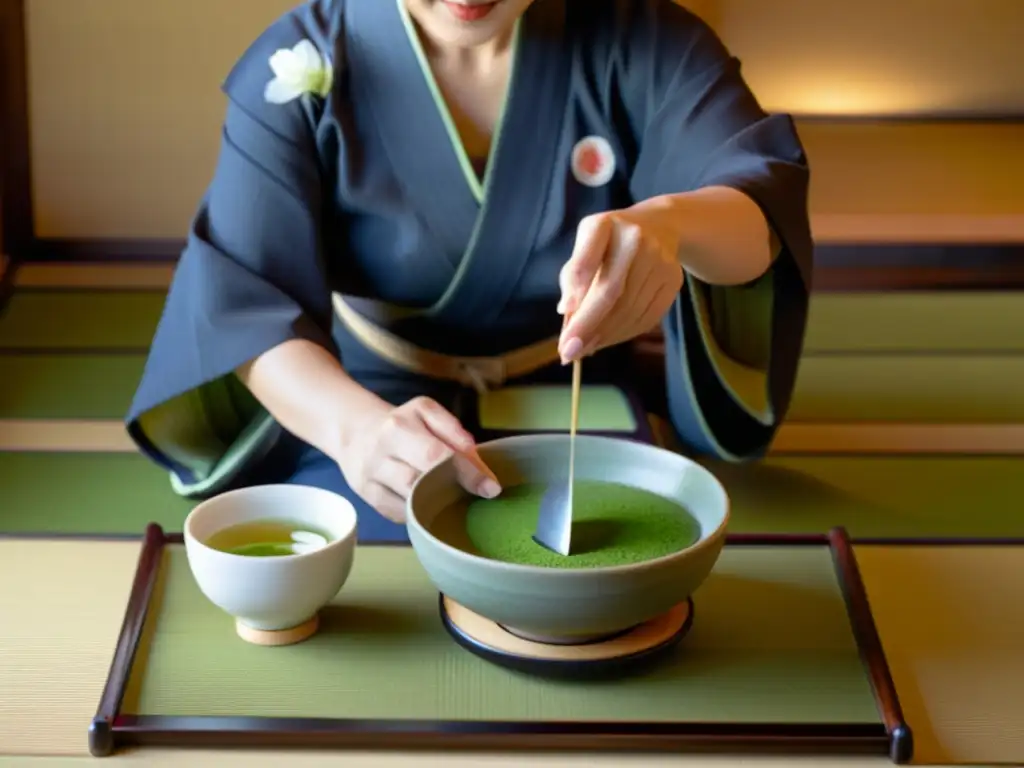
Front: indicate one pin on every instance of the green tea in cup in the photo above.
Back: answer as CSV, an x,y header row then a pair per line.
x,y
268,538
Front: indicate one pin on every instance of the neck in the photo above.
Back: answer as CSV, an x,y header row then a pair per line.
x,y
473,58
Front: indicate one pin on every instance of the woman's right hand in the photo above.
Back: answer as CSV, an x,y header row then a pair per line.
x,y
394,446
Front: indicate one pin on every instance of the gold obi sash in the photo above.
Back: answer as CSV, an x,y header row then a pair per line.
x,y
481,373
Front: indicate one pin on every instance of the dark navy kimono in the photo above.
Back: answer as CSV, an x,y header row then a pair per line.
x,y
368,192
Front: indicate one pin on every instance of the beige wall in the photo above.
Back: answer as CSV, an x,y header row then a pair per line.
x,y
125,105
125,101
855,56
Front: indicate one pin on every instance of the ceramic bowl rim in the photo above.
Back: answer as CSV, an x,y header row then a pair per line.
x,y
704,542
344,542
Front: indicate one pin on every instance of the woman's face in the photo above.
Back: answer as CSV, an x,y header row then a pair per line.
x,y
466,23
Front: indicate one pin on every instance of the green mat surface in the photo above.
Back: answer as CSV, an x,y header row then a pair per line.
x,y
522,409
80,319
86,493
871,496
80,386
936,388
771,642
925,388
903,321
859,322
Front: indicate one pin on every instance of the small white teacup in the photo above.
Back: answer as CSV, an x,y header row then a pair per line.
x,y
274,600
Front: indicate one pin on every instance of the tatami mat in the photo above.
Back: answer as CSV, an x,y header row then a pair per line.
x,y
862,323
80,319
951,620
945,616
877,357
86,493
866,439
61,607
937,388
872,496
916,322
921,388
868,357
68,386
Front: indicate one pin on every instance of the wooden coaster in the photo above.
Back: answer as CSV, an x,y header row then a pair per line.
x,y
278,636
492,641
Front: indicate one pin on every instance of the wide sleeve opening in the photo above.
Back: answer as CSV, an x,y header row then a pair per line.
x,y
729,401
191,413
732,352
251,277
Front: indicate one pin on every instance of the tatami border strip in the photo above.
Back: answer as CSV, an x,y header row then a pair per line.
x,y
891,439
64,436
900,438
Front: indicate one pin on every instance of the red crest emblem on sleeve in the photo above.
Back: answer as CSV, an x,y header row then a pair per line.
x,y
593,162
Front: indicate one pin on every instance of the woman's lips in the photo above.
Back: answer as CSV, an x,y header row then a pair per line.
x,y
469,12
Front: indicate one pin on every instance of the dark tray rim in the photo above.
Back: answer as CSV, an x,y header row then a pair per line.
x,y
110,729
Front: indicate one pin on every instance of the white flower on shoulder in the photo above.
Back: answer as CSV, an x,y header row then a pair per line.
x,y
302,69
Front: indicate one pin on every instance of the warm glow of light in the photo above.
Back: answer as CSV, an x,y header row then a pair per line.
x,y
879,57
838,94
826,101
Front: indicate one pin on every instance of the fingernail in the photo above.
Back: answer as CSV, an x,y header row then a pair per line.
x,y
571,349
561,306
489,489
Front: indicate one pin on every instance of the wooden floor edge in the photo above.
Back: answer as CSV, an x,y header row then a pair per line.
x,y
109,436
100,276
917,228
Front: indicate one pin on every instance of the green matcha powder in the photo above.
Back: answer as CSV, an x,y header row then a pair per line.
x,y
612,525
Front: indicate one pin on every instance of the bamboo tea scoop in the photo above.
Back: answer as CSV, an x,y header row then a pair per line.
x,y
554,520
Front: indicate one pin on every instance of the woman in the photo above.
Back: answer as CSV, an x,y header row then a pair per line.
x,y
419,199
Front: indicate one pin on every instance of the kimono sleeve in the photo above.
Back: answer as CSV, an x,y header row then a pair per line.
x,y
732,352
251,277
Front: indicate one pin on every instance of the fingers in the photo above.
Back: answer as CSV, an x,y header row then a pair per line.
x,y
605,293
412,443
385,501
424,434
443,423
397,476
475,476
655,310
620,324
592,239
401,446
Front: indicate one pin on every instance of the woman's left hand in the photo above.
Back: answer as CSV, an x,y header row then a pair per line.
x,y
621,279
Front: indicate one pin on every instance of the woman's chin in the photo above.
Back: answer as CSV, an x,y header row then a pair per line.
x,y
467,23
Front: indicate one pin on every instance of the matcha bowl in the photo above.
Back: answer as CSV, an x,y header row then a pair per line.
x,y
490,566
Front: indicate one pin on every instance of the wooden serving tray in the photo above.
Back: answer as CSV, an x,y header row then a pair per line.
x,y
783,656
